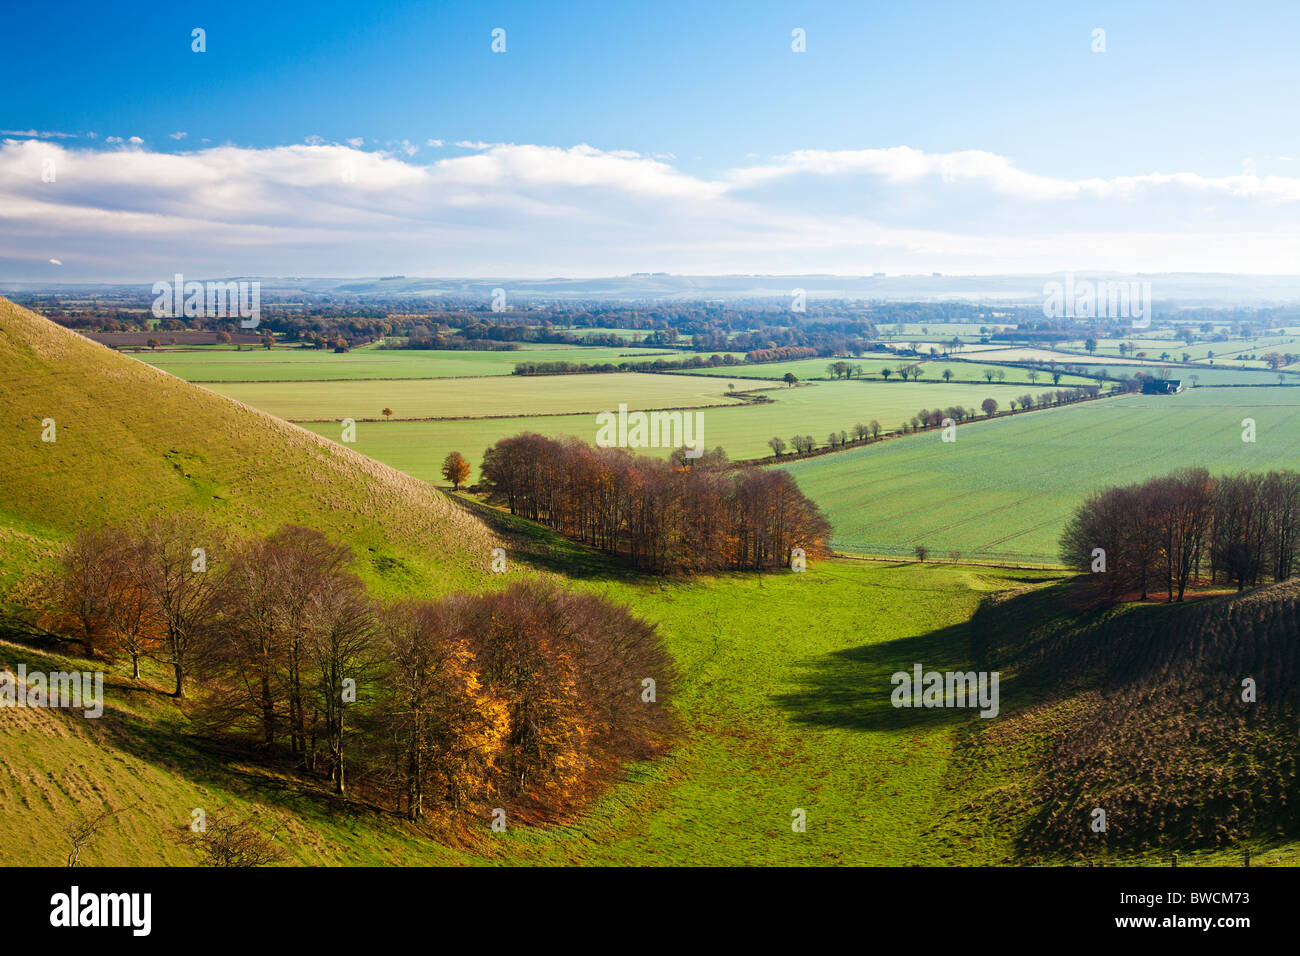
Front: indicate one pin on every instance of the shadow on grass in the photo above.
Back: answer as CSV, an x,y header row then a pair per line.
x,y
851,689
541,548
162,737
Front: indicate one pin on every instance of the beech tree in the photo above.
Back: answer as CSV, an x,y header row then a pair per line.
x,y
455,469
170,559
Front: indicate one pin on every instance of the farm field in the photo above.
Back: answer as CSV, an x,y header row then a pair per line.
x,y
288,364
1224,352
933,369
1019,353
1005,488
935,330
1194,375
418,448
477,397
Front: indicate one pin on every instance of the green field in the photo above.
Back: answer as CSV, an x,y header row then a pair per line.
x,y
935,330
1225,352
759,701
932,371
783,700
476,397
1005,488
287,364
418,448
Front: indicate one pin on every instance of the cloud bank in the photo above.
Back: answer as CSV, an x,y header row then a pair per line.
x,y
129,213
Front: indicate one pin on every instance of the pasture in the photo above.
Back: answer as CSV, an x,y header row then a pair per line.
x,y
477,397
1005,488
290,364
418,448
931,370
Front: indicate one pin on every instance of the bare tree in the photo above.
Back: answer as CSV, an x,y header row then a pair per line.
x,y
228,840
84,832
170,560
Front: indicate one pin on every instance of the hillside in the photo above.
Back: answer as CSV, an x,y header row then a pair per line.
x,y
1137,710
132,441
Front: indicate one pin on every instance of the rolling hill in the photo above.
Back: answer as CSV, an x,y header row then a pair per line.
x,y
134,441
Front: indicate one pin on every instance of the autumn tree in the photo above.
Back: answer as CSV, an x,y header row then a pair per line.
x,y
341,657
455,468
90,573
446,728
169,560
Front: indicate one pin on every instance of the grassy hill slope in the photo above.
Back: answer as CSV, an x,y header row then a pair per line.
x,y
131,441
1138,710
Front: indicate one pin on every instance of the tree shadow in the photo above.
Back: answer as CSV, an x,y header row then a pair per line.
x,y
541,548
852,688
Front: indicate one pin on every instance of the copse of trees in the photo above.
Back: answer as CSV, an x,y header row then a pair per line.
x,y
527,693
664,517
1169,533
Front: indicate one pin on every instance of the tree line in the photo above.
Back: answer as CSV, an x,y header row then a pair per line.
x,y
663,516
274,642
1170,533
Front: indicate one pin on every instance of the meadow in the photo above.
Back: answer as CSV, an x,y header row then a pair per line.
x,y
932,371
743,431
477,397
1225,352
1004,489
290,364
776,715
784,698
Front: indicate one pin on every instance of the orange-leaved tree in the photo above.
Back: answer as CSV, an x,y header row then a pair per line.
x,y
455,469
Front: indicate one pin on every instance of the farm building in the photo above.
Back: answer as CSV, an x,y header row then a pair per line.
x,y
1162,386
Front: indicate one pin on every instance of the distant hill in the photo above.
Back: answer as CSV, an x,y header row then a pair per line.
x,y
134,441
1185,288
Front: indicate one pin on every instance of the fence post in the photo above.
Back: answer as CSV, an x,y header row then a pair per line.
x,y
1246,856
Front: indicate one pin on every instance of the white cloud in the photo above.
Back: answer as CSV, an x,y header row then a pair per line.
x,y
521,209
179,134
39,134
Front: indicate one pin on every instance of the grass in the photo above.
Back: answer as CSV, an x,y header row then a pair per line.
x,y
289,364
933,369
1004,489
777,714
132,441
785,677
785,706
476,398
418,448
1225,352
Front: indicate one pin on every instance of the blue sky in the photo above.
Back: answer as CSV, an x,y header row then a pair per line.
x,y
662,102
